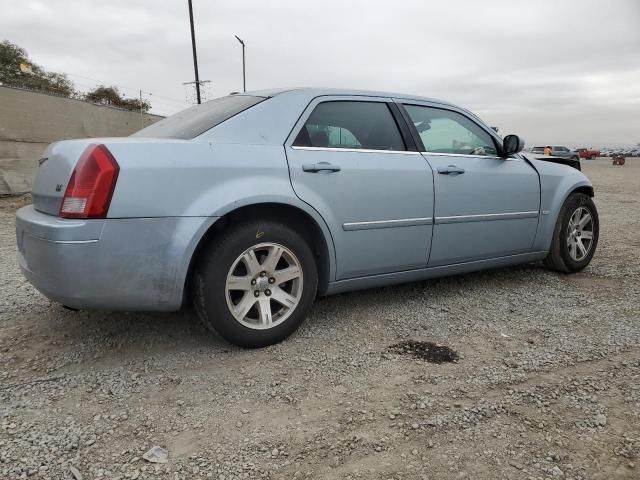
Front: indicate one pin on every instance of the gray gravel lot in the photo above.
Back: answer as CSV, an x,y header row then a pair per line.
x,y
547,384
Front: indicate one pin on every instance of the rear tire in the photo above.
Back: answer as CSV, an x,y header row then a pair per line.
x,y
575,237
255,283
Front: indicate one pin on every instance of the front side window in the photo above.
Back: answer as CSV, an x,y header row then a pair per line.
x,y
351,124
444,131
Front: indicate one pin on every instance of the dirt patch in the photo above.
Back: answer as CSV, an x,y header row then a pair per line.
x,y
14,202
428,351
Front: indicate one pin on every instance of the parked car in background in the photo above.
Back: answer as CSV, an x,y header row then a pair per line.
x,y
252,204
558,151
588,153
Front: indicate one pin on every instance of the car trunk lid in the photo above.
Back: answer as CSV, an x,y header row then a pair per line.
x,y
55,169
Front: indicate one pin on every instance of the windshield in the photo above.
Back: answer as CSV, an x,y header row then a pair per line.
x,y
196,120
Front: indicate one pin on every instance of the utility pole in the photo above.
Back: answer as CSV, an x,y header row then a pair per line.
x,y
195,56
244,76
141,115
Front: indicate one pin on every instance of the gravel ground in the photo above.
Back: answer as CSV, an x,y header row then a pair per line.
x,y
547,383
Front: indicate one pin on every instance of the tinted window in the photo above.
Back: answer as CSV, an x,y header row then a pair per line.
x,y
444,131
196,120
347,124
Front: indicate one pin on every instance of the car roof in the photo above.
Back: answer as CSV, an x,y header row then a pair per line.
x,y
313,92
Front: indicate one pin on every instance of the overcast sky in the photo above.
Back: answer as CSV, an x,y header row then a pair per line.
x,y
553,71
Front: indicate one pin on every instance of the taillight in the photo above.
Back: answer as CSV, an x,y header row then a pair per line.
x,y
91,186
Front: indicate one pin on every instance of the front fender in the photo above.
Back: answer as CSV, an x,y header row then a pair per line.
x,y
557,182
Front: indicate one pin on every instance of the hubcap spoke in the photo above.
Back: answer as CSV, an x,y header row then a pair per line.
x,y
238,283
575,218
275,253
250,260
584,220
283,298
586,235
264,308
583,250
286,274
243,307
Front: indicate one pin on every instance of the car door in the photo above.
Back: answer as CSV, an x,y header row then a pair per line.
x,y
486,206
350,160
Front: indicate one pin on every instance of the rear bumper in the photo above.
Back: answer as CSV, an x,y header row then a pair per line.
x,y
113,264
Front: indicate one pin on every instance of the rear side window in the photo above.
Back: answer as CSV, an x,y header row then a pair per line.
x,y
351,124
196,120
444,131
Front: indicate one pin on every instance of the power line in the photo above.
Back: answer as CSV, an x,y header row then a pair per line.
x,y
120,86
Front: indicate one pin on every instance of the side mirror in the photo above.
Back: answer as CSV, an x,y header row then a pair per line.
x,y
512,144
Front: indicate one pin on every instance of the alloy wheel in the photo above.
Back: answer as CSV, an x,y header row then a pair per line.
x,y
580,233
264,286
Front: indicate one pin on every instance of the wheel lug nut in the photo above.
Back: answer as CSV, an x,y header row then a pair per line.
x,y
267,292
253,282
262,274
257,293
272,280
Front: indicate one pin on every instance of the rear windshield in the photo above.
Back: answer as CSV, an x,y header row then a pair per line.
x,y
196,120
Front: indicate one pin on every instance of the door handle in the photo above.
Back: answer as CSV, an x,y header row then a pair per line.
x,y
450,170
320,167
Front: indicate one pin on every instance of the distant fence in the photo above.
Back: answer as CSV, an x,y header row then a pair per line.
x,y
29,121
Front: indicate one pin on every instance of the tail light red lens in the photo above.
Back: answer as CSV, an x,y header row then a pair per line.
x,y
89,192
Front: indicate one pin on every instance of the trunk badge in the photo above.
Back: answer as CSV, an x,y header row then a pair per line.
x,y
59,187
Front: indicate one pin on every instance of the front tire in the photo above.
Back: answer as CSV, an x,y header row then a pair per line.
x,y
576,234
255,283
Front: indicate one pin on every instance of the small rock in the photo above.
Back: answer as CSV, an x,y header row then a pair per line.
x,y
415,426
557,472
156,455
274,452
601,420
75,473
515,464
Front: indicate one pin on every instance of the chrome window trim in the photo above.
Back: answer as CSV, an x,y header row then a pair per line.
x,y
437,154
402,222
486,217
358,150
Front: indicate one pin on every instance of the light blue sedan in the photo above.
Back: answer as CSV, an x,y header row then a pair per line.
x,y
252,204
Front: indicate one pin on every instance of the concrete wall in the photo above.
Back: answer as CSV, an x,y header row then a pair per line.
x,y
29,121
